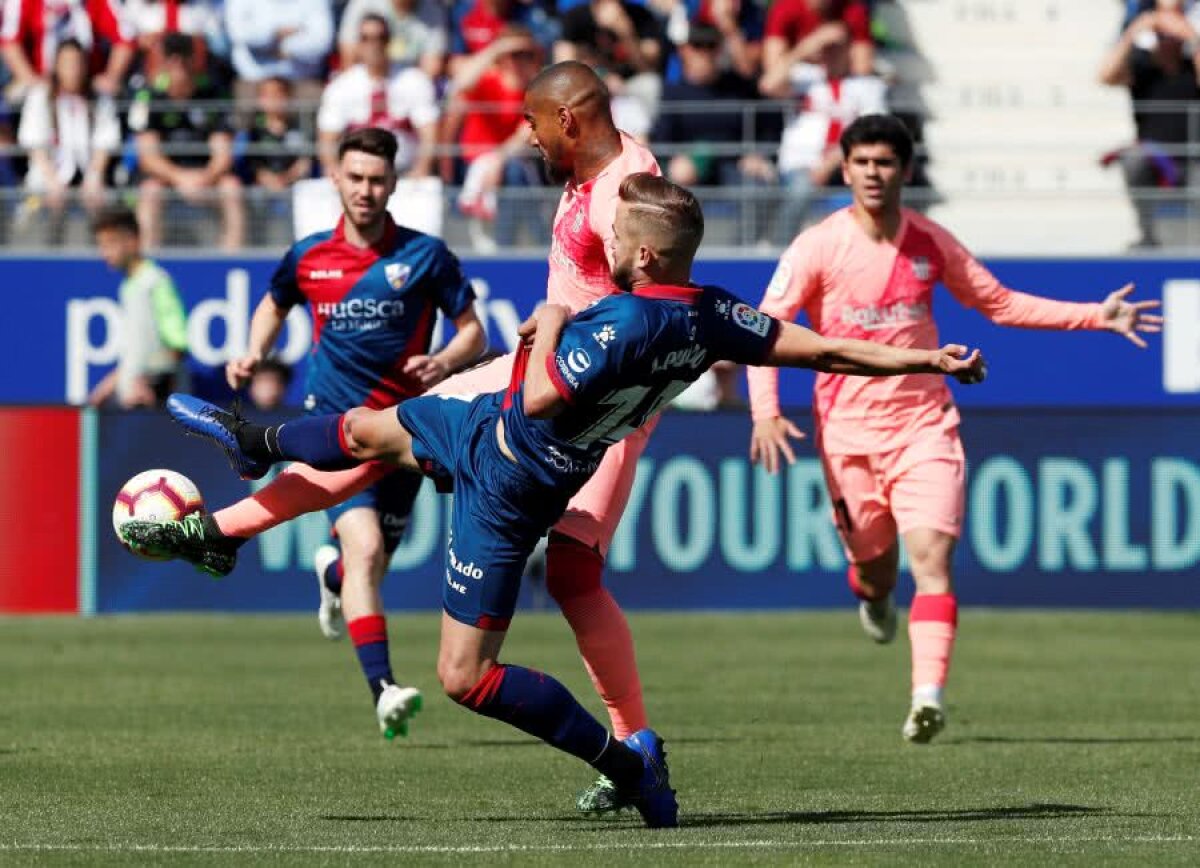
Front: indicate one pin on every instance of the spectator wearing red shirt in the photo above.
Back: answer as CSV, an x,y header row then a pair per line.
x,y
487,95
798,31
477,23
32,30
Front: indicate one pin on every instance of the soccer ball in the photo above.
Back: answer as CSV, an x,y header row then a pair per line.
x,y
156,495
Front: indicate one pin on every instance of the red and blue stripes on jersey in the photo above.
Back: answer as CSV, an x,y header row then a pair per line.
x,y
373,309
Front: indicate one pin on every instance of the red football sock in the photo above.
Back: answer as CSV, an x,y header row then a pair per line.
x,y
573,572
932,624
299,489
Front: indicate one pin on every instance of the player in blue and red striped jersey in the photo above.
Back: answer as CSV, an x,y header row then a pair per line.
x,y
515,458
374,289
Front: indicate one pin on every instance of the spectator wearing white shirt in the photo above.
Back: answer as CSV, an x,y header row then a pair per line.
x,y
289,39
70,136
31,30
378,93
810,157
418,32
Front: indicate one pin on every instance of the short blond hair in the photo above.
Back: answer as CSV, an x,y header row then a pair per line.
x,y
667,212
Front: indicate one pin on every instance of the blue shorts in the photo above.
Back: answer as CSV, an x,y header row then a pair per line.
x,y
392,498
499,511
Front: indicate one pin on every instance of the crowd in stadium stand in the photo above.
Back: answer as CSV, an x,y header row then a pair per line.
x,y
1156,58
205,104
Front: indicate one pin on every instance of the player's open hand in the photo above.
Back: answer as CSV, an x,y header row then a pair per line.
x,y
427,370
1130,317
770,439
239,371
955,361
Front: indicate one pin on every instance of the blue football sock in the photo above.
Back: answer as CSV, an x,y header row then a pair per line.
x,y
536,703
314,440
332,577
369,635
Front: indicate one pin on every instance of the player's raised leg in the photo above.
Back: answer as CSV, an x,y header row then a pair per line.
x,y
337,441
331,441
862,516
873,582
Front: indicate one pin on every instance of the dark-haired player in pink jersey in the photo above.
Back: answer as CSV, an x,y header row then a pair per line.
x,y
891,452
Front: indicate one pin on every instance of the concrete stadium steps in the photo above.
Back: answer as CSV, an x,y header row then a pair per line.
x,y
1015,119
1042,224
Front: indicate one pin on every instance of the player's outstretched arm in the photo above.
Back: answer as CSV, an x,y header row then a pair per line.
x,y
1127,318
798,347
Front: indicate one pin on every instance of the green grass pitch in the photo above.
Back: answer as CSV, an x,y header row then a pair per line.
x,y
1073,739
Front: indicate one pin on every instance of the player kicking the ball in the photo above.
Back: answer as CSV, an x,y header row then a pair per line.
x,y
893,461
515,458
570,118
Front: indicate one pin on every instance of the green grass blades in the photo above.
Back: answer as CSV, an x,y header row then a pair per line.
x,y
1072,739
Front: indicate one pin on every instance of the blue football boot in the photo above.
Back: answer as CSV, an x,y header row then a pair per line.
x,y
221,426
654,799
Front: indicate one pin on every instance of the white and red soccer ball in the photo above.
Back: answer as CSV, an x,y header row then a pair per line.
x,y
156,495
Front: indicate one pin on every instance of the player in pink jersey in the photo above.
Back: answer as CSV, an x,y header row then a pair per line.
x,y
567,108
890,449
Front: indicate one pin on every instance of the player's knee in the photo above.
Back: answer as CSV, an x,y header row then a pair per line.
x,y
573,569
366,558
459,677
358,433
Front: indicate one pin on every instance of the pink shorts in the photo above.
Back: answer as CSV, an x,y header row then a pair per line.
x,y
595,511
875,497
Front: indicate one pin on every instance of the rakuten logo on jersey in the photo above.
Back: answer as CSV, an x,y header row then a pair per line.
x,y
891,316
359,314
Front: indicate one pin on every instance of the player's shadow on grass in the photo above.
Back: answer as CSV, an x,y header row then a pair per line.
x,y
965,815
529,742
1067,739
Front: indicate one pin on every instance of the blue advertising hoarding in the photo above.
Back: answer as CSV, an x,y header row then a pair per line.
x,y
1074,508
63,328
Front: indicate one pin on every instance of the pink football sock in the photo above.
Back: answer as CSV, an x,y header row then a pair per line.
x,y
573,579
299,489
932,623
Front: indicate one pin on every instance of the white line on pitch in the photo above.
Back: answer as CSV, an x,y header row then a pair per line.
x,y
562,848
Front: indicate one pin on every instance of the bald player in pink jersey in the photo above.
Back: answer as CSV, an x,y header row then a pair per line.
x,y
890,449
567,108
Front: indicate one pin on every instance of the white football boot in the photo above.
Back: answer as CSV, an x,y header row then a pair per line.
x,y
878,619
395,708
926,718
329,612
